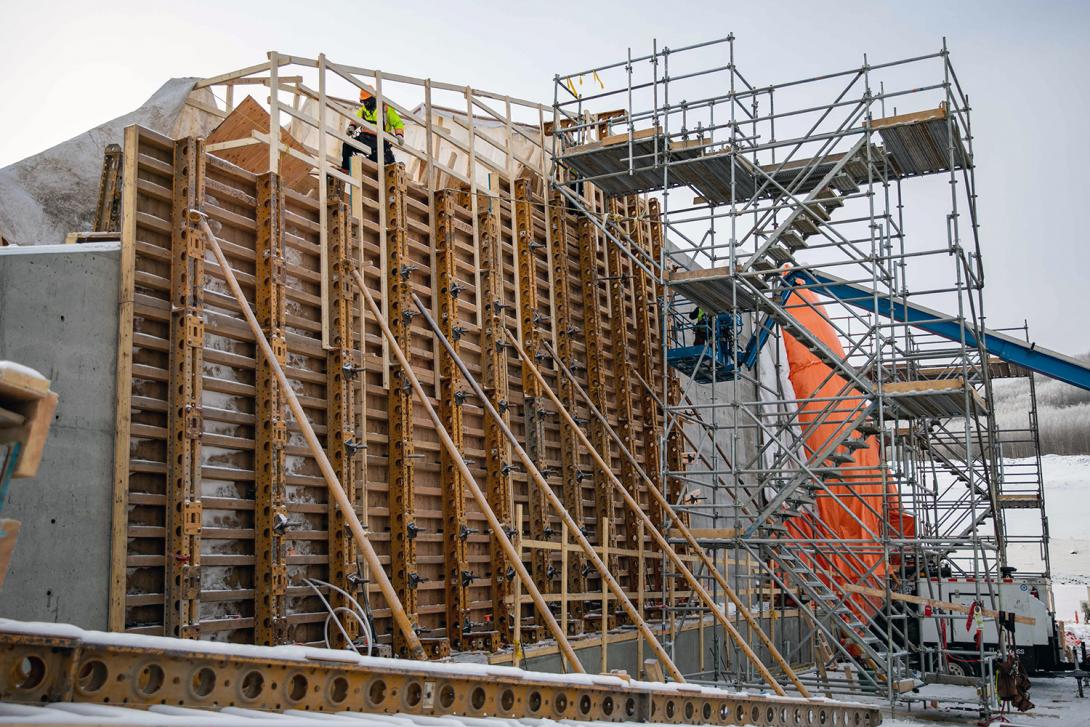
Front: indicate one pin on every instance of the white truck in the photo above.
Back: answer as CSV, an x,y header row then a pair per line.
x,y
1037,645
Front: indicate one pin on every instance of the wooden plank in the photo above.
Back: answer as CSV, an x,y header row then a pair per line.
x,y
934,603
39,417
9,533
253,155
918,387
916,117
22,384
614,139
604,664
123,395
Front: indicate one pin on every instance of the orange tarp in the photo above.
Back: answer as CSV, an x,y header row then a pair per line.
x,y
858,514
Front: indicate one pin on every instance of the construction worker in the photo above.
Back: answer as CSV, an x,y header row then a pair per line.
x,y
700,328
392,124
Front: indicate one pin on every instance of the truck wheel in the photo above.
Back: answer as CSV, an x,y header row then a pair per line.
x,y
955,669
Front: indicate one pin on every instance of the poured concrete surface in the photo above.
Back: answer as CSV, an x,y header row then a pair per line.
x,y
58,314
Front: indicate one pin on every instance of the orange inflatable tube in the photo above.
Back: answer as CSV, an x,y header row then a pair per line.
x,y
828,406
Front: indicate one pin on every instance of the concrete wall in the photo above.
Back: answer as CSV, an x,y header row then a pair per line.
x,y
58,314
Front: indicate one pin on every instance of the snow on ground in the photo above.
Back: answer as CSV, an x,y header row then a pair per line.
x,y
1057,704
1067,505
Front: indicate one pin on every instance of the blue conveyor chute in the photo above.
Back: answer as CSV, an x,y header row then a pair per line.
x,y
1028,355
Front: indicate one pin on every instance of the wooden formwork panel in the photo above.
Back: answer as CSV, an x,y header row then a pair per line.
x,y
227,427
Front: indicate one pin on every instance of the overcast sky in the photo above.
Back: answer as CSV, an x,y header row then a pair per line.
x,y
1025,66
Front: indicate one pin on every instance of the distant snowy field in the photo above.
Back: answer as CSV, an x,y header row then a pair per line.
x,y
1067,503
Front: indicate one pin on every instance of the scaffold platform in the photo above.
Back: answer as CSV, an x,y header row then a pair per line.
x,y
914,144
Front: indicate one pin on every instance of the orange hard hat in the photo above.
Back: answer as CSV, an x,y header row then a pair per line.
x,y
365,94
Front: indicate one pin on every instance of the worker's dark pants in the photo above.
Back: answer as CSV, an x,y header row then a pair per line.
x,y
700,334
368,140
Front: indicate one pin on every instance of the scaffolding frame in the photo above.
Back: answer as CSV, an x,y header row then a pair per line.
x,y
769,165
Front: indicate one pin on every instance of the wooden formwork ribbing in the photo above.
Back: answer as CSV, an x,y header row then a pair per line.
x,y
495,379
644,306
344,444
457,575
571,473
533,414
226,473
674,438
184,409
625,383
271,517
238,562
593,353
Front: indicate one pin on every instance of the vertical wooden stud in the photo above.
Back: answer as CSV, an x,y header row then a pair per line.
x,y
458,575
343,444
533,412
184,421
400,478
271,430
495,382
571,473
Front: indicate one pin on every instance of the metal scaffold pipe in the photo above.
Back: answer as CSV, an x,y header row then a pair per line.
x,y
459,462
683,529
404,624
539,480
664,546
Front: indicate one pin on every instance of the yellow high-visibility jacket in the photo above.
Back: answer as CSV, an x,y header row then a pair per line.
x,y
393,123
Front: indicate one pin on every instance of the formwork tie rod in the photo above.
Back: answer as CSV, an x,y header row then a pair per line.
x,y
553,500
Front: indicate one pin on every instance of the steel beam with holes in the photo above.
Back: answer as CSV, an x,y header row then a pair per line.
x,y
271,431
494,376
400,408
457,573
181,616
533,412
596,378
68,665
341,441
572,476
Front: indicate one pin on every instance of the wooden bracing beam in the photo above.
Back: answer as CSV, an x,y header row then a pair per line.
x,y
271,428
181,616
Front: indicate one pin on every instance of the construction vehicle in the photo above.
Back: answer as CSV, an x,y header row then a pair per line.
x,y
1037,644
